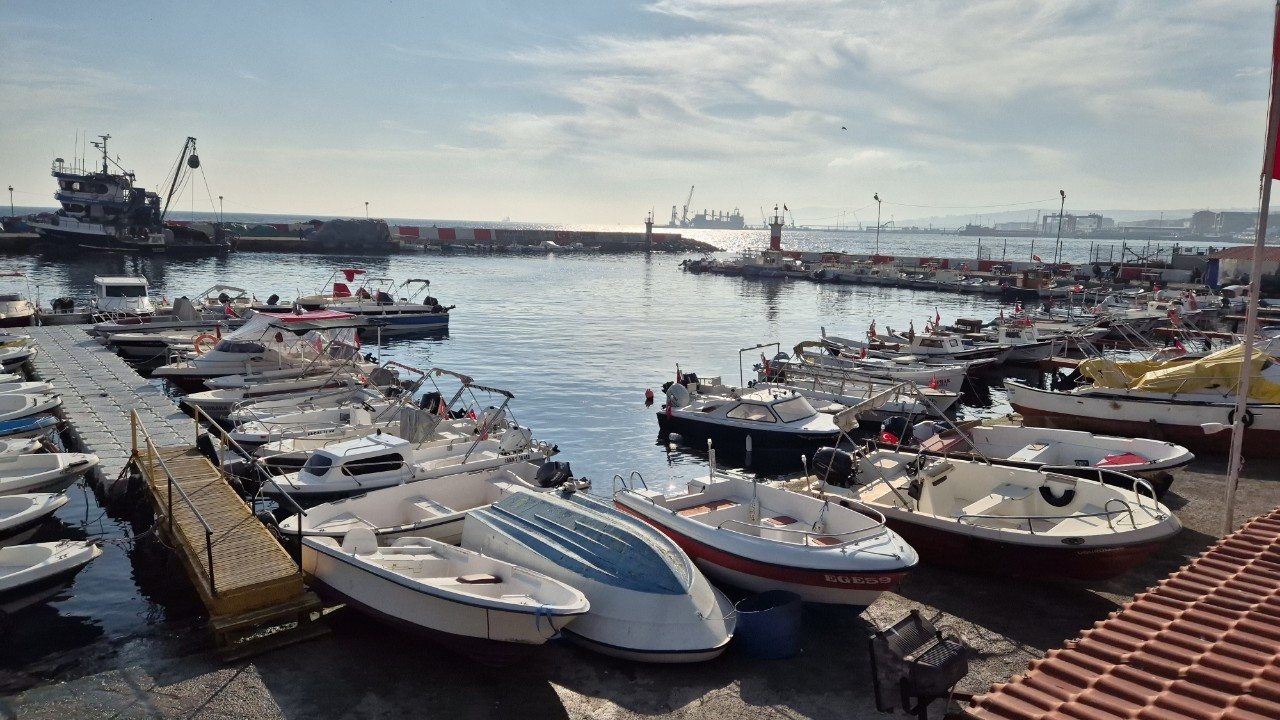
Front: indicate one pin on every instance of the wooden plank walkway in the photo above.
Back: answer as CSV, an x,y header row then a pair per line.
x,y
250,569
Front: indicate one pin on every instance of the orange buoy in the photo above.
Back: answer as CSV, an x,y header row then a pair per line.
x,y
199,342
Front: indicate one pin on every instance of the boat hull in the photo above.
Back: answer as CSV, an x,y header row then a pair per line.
x,y
981,554
1173,421
731,442
817,585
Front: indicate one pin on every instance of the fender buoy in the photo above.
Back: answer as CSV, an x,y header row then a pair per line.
x,y
199,342
1247,419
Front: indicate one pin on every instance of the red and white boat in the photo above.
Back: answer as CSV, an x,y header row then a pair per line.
x,y
1000,519
762,537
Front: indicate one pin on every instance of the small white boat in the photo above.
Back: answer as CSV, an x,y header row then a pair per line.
x,y
220,404
14,355
761,537
999,518
1035,447
21,446
377,461
22,515
15,406
47,472
648,600
433,508
473,602
36,572
26,388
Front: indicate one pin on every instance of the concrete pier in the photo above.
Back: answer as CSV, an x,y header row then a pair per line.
x,y
98,390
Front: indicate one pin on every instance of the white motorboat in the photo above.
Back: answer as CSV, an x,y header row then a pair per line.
x,y
476,603
42,387
21,446
998,518
267,341
928,346
182,316
1035,447
46,472
432,508
15,310
14,355
648,600
15,406
222,404
377,461
400,309
761,537
781,423
903,368
1179,402
22,515
36,572
153,345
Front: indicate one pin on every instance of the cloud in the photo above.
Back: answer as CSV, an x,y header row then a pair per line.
x,y
250,77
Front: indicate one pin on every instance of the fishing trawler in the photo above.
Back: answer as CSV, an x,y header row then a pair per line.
x,y
105,210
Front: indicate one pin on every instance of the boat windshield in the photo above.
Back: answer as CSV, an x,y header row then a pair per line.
x,y
796,408
318,465
751,411
124,290
239,346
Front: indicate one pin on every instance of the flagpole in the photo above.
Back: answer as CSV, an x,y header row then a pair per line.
x,y
1255,284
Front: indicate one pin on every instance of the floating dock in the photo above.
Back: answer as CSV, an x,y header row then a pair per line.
x,y
244,577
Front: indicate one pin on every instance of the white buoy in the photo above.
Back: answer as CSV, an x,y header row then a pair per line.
x,y
674,440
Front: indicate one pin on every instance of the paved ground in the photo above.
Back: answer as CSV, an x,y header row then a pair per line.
x,y
363,670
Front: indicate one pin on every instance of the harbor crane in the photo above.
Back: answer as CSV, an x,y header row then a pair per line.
x,y
683,220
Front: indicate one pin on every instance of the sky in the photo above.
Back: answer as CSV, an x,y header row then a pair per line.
x,y
599,111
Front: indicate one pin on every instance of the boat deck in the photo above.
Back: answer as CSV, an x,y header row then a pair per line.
x,y
98,390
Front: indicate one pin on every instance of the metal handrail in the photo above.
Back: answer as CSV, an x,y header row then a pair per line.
x,y
1030,518
760,526
228,441
135,424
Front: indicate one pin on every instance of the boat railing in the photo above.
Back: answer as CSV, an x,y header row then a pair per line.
x,y
1106,514
626,482
1139,486
147,456
259,467
850,536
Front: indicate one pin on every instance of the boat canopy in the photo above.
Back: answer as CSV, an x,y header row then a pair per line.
x,y
1219,372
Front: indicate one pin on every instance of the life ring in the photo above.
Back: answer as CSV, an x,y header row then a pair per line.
x,y
199,342
1247,419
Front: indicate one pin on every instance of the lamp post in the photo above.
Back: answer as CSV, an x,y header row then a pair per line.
x,y
10,201
219,208
1058,243
366,209
877,197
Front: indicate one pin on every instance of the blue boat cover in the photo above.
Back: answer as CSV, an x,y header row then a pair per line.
x,y
588,537
9,427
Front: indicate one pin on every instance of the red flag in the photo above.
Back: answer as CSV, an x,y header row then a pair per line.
x,y
471,413
1036,258
937,318
863,355
1179,346
933,383
888,438
765,360
1191,300
679,377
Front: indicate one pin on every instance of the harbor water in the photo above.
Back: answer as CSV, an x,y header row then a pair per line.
x,y
577,338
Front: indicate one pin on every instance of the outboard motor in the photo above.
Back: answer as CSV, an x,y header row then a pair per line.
x,y
899,427
431,401
273,299
553,473
63,304
224,298
835,467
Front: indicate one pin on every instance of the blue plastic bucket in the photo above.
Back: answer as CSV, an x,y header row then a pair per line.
x,y
769,625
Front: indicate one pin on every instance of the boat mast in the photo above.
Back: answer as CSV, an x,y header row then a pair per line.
x,y
186,157
1255,285
103,147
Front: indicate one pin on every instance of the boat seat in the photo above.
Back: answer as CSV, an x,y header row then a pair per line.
x,y
428,508
825,540
1005,492
945,443
780,520
1031,452
706,507
479,579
